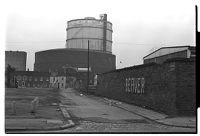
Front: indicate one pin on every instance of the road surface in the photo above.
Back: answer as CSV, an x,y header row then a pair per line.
x,y
95,114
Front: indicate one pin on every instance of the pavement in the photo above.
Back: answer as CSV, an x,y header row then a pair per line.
x,y
22,123
184,121
36,124
177,121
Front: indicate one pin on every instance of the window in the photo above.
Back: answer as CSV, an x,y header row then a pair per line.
x,y
18,77
47,79
24,78
23,83
30,78
41,78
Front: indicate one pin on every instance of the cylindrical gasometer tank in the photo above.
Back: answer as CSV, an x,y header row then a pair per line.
x,y
98,32
79,32
57,59
16,59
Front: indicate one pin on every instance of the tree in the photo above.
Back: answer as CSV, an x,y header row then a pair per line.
x,y
8,72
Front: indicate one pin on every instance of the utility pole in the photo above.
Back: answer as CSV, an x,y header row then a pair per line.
x,y
88,67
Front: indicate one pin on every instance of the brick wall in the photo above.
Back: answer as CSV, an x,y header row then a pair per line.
x,y
186,87
160,87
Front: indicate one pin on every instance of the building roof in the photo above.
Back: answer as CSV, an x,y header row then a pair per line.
x,y
168,50
31,73
15,52
151,64
87,19
73,49
132,67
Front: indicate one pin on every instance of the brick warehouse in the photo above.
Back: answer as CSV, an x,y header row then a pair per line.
x,y
169,87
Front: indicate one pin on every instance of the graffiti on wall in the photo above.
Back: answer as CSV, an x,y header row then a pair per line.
x,y
135,85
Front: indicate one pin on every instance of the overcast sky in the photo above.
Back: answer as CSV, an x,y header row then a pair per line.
x,y
138,25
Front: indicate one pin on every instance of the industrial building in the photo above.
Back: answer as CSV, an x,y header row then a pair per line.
x,y
16,59
98,32
165,53
81,33
58,59
73,78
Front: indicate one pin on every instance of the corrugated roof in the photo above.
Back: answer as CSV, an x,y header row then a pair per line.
x,y
167,48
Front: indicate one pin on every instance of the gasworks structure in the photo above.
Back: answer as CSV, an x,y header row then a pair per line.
x,y
81,32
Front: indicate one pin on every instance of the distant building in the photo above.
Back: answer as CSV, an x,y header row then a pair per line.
x,y
57,80
16,59
76,78
30,79
61,81
164,53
